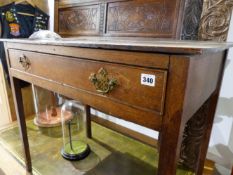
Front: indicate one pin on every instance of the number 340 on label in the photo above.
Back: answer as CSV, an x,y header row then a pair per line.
x,y
148,80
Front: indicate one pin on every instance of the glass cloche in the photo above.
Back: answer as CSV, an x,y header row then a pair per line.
x,y
73,128
47,107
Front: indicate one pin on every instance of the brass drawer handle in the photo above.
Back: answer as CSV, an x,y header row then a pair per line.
x,y
25,62
102,82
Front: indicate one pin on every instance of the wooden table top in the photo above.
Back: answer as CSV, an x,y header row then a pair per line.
x,y
134,44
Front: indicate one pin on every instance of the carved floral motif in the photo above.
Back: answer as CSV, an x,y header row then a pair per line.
x,y
215,20
147,17
79,19
193,10
193,136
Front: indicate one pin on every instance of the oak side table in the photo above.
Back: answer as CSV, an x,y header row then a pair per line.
x,y
168,86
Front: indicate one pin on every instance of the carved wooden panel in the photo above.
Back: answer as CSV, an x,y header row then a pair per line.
x,y
178,19
155,18
192,138
215,20
147,18
193,11
82,20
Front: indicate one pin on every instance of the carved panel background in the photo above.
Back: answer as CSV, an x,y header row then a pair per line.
x,y
193,10
193,137
79,20
134,18
215,20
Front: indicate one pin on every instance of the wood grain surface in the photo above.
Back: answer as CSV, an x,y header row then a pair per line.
x,y
128,91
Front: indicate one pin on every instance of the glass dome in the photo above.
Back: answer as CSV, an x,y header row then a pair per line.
x,y
73,117
47,107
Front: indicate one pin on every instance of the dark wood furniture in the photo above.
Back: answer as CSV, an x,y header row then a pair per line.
x,y
177,19
107,74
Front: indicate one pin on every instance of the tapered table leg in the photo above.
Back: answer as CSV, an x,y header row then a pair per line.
x,y
18,101
88,122
173,122
170,141
198,130
206,137
210,120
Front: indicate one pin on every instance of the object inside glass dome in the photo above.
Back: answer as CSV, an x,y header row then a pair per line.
x,y
74,139
47,107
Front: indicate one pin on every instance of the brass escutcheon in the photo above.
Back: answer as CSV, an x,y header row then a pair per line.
x,y
25,62
102,82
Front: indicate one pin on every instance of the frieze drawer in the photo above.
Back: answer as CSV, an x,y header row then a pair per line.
x,y
138,87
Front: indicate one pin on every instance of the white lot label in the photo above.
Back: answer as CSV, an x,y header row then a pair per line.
x,y
148,80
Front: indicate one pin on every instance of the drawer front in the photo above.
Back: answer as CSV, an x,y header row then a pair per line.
x,y
129,85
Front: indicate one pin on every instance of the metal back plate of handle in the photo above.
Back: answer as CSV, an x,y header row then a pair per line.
x,y
25,62
102,82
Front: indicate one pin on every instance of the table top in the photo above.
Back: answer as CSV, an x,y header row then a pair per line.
x,y
133,44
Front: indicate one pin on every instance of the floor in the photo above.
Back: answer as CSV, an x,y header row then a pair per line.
x,y
110,151
9,165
